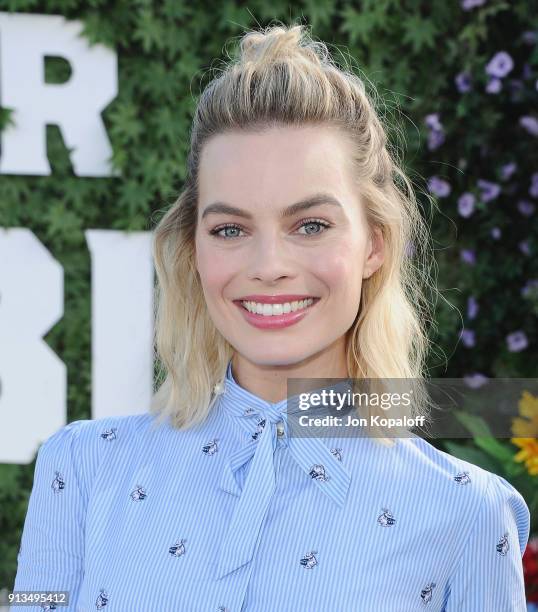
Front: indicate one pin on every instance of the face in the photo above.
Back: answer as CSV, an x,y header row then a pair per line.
x,y
253,246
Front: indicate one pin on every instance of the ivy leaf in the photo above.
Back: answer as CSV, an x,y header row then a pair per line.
x,y
99,30
168,126
419,32
149,31
319,12
157,172
373,15
64,226
358,25
126,126
230,15
134,197
175,10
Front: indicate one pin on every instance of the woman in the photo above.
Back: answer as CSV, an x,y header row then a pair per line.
x,y
283,258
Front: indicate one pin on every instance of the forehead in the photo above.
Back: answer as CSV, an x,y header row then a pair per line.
x,y
280,164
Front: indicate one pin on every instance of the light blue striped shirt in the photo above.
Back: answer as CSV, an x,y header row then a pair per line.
x,y
235,515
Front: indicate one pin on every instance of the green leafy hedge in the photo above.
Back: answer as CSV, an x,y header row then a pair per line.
x,y
434,65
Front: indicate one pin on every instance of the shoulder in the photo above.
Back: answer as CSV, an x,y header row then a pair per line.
x,y
504,505
81,446
439,466
490,500
83,436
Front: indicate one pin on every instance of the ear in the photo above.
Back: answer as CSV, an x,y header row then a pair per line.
x,y
375,252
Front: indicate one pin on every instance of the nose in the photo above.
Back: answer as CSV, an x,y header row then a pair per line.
x,y
270,259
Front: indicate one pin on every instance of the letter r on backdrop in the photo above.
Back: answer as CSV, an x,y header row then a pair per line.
x,y
75,106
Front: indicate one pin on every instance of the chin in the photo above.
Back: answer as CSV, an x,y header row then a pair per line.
x,y
275,354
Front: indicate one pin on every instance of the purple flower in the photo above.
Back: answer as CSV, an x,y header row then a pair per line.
x,y
530,285
475,380
467,5
432,121
468,256
534,185
439,187
466,204
468,338
496,233
435,139
463,82
507,170
472,307
526,208
500,65
527,71
494,86
529,37
489,190
524,247
530,124
436,135
517,341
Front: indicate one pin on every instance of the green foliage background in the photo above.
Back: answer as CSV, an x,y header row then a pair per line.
x,y
411,51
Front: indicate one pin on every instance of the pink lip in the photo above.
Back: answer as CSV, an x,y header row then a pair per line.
x,y
274,321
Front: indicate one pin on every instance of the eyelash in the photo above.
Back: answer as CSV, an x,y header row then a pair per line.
x,y
215,231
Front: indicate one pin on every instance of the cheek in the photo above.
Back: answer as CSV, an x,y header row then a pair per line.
x,y
340,269
215,267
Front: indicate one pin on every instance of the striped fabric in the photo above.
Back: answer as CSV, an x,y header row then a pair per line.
x,y
236,515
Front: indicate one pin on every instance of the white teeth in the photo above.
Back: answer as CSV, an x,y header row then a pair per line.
x,y
268,310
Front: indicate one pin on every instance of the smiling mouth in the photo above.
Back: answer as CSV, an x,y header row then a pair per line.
x,y
269,310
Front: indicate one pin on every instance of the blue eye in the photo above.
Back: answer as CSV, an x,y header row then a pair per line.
x,y
319,223
315,222
217,231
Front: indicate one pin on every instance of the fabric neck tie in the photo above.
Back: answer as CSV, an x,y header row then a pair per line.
x,y
237,548
311,453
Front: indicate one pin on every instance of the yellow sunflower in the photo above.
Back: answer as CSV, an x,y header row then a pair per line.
x,y
526,430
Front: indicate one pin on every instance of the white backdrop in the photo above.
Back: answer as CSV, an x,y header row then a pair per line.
x,y
33,379
75,106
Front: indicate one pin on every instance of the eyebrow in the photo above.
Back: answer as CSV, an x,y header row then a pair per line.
x,y
304,204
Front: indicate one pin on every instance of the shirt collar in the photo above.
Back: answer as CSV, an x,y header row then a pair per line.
x,y
236,400
254,414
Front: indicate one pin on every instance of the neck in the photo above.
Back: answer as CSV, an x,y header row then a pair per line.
x,y
270,381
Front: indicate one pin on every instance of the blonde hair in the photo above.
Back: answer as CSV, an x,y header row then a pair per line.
x,y
282,77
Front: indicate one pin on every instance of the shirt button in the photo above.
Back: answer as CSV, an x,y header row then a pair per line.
x,y
280,429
